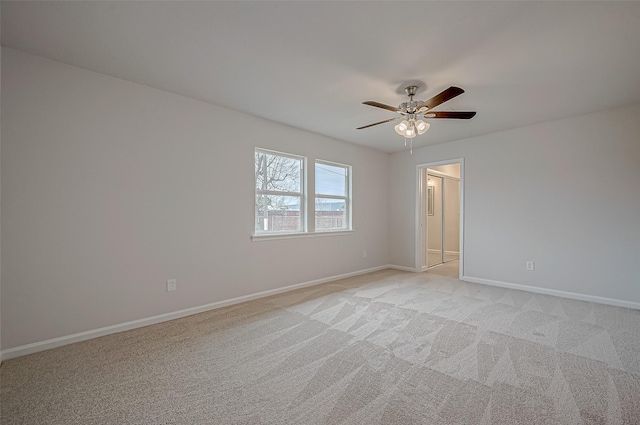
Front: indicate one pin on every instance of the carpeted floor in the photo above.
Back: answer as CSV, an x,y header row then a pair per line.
x,y
450,269
384,348
434,258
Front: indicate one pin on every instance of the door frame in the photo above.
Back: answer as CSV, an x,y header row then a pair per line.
x,y
420,213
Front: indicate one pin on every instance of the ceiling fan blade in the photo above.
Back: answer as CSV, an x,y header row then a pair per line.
x,y
381,122
381,105
450,114
444,96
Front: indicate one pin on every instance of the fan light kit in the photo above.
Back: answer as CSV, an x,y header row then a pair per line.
x,y
409,129
411,126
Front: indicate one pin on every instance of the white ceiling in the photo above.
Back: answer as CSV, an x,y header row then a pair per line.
x,y
311,64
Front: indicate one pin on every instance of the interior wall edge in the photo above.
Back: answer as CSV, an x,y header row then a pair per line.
x,y
504,225
110,188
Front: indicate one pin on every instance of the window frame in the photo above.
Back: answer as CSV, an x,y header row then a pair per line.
x,y
302,195
346,197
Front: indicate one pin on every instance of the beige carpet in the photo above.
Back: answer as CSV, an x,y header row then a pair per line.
x,y
434,258
385,348
450,269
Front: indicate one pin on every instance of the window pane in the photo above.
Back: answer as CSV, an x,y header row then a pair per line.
x,y
275,172
331,214
330,179
276,213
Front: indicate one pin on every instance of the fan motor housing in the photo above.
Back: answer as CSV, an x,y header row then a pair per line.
x,y
409,107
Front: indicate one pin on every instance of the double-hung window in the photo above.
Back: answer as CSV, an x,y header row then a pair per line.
x,y
333,198
280,200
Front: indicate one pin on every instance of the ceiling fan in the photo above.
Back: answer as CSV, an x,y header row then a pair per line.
x,y
411,125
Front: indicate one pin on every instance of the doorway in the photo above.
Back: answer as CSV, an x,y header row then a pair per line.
x,y
440,216
443,217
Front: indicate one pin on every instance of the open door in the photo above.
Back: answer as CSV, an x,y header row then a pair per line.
x,y
440,215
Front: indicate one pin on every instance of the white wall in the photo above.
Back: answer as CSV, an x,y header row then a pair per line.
x,y
109,188
536,193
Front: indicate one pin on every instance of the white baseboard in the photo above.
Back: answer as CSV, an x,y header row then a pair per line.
x,y
438,251
35,347
107,330
403,268
554,292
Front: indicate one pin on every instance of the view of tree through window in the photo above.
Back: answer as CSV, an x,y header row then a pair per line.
x,y
279,197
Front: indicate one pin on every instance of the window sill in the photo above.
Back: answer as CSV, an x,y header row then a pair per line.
x,y
273,236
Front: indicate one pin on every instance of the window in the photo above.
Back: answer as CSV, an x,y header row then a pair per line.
x,y
333,201
280,199
281,202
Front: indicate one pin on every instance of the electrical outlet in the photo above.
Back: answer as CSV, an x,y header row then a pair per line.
x,y
531,266
364,254
172,285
